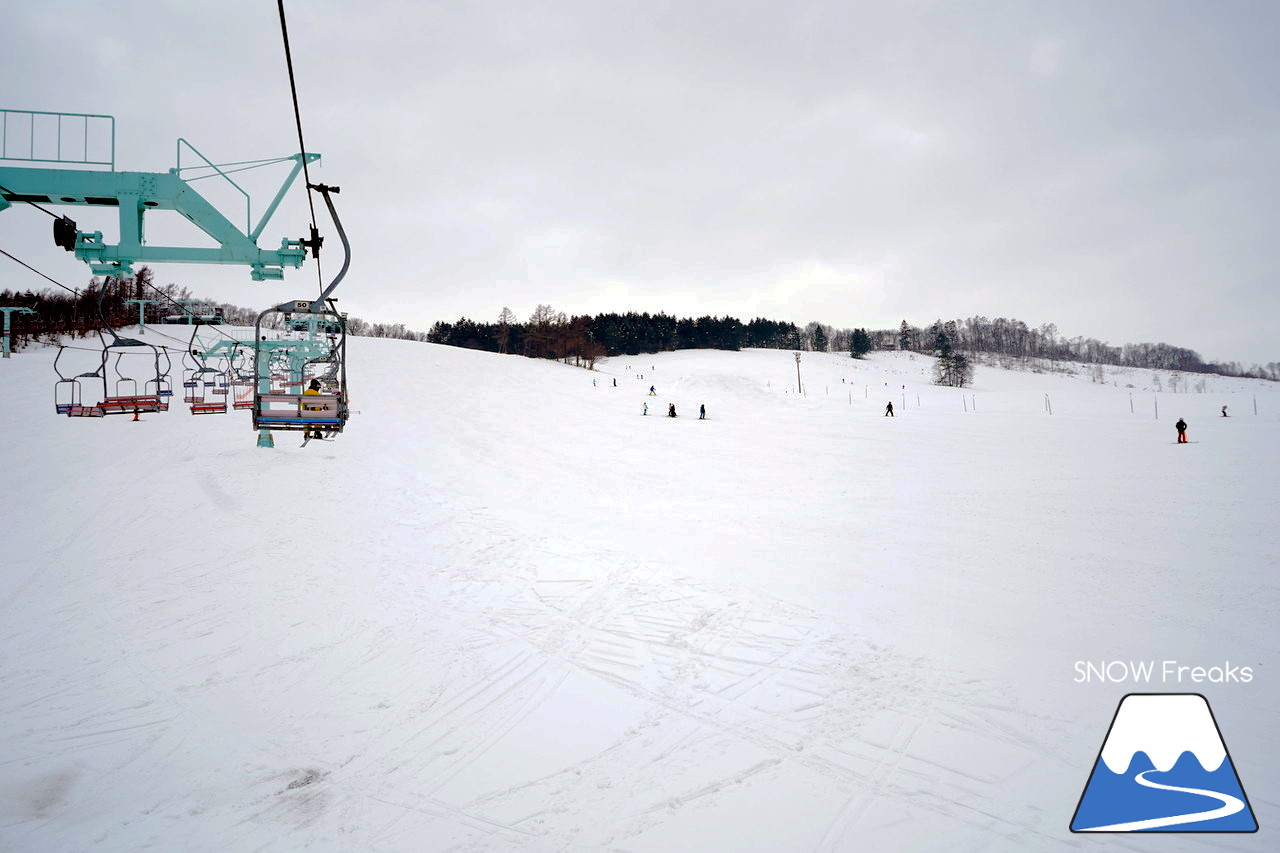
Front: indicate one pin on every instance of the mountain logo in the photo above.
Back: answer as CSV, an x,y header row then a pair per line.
x,y
1163,768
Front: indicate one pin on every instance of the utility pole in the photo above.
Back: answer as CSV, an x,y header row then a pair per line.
x,y
799,387
142,307
20,310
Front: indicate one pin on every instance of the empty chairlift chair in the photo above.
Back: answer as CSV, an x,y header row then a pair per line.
x,y
205,378
160,386
66,391
126,400
242,392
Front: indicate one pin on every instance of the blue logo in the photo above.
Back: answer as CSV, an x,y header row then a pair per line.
x,y
1163,768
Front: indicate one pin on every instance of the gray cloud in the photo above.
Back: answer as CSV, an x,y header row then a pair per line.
x,y
1106,167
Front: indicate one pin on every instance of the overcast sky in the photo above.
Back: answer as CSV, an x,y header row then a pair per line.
x,y
1110,167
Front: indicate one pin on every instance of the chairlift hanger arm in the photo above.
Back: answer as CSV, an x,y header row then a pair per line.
x,y
134,193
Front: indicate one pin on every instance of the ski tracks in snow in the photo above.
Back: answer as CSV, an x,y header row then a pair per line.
x,y
728,687
727,679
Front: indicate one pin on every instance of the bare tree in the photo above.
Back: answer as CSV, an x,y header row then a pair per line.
x,y
505,318
538,338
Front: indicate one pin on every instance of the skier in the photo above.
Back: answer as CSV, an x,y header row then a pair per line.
x,y
671,410
888,410
615,382
653,392
646,408
313,390
1224,411
1182,431
702,412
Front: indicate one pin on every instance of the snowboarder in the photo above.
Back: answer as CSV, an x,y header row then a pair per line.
x,y
615,382
1181,426
671,410
646,409
1224,411
888,410
702,412
653,392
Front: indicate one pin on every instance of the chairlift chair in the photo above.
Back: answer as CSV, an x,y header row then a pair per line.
x,y
66,391
206,379
281,407
161,387
126,400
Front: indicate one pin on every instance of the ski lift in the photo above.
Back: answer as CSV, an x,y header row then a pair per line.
x,y
313,324
192,388
205,378
221,385
79,410
240,383
199,380
242,392
324,414
127,400
161,387
66,391
284,405
125,386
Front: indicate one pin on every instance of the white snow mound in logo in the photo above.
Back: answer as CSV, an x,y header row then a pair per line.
x,y
1164,727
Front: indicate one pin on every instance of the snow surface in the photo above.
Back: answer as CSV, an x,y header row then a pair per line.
x,y
1163,727
505,611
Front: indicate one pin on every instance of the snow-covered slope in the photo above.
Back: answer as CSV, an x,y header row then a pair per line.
x,y
507,611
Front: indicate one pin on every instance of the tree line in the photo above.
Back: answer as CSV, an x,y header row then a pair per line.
x,y
581,339
1012,343
956,343
103,301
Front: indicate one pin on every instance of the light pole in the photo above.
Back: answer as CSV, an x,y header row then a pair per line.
x,y
799,387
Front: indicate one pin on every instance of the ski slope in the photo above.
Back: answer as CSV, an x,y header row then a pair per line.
x,y
506,611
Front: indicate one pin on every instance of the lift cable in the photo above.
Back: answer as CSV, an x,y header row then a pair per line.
x,y
74,292
158,291
302,146
37,272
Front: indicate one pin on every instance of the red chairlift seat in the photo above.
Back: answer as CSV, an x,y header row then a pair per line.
x,y
133,403
242,398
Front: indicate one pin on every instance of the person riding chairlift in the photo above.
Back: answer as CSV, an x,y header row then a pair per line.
x,y
313,390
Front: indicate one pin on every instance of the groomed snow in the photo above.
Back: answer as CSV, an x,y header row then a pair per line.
x,y
506,611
